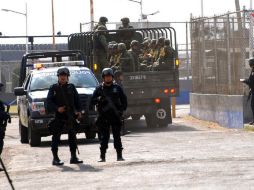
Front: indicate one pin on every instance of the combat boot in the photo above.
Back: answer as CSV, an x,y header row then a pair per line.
x,y
74,159
119,155
56,161
102,156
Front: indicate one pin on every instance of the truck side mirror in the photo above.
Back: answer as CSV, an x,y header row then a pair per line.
x,y
19,91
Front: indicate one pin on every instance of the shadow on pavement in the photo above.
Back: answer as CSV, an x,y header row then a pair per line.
x,y
140,127
82,168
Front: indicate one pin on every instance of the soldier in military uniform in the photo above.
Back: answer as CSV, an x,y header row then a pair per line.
x,y
100,48
126,35
250,83
126,61
63,100
111,103
4,117
102,22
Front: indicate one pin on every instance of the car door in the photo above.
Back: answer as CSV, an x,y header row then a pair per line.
x,y
23,102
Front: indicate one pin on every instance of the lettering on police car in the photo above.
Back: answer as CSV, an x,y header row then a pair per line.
x,y
137,77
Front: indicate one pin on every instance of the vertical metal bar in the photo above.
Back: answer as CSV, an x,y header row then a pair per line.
x,y
228,56
187,51
53,24
216,56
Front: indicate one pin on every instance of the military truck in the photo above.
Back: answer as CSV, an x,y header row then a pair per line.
x,y
38,72
149,91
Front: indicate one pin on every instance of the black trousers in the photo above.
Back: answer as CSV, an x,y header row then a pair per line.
x,y
2,134
104,123
56,134
252,104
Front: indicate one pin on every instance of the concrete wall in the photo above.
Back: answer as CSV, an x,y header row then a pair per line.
x,y
229,111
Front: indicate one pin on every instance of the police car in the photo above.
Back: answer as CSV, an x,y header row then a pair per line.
x,y
32,94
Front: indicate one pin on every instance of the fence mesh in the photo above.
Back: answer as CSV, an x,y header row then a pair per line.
x,y
220,48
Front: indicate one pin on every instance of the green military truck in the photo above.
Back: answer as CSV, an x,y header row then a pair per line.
x,y
149,91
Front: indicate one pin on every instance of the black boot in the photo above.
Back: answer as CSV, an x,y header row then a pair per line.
x,y
56,161
75,159
102,156
119,155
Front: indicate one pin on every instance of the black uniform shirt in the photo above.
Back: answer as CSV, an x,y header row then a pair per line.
x,y
114,92
63,95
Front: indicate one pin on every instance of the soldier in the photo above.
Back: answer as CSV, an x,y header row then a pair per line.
x,y
63,100
166,58
111,103
250,83
4,117
100,48
126,63
135,52
102,22
126,35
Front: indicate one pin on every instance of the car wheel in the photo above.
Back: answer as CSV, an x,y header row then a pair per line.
x,y
23,132
150,121
33,136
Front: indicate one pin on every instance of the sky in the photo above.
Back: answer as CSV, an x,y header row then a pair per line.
x,y
70,13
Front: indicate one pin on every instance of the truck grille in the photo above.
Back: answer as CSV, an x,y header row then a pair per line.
x,y
85,101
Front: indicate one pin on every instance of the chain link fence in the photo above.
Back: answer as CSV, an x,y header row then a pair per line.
x,y
11,52
220,49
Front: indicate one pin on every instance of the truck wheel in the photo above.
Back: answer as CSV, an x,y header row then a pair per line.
x,y
34,138
135,117
150,121
23,133
90,135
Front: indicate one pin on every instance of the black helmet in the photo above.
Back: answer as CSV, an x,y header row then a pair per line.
x,y
251,62
103,19
107,71
63,71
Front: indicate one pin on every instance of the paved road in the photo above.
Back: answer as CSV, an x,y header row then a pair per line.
x,y
189,154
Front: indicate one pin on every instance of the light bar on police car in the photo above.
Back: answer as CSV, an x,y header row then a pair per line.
x,y
58,64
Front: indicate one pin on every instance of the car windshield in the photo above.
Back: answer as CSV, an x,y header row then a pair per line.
x,y
80,78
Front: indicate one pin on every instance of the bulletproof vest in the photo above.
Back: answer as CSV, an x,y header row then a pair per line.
x,y
112,93
64,95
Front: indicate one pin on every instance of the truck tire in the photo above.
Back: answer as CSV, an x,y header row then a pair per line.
x,y
150,120
33,136
136,117
90,134
23,132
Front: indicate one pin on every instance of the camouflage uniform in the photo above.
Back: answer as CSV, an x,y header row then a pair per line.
x,y
126,36
102,22
100,49
126,60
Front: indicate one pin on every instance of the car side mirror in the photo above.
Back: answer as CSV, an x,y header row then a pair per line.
x,y
19,91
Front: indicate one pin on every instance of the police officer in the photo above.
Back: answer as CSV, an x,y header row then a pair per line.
x,y
111,103
4,117
63,99
250,83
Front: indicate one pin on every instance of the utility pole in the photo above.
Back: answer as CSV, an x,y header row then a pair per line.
x,y
53,24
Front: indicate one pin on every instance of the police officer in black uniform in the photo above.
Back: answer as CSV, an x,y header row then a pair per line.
x,y
250,83
4,117
111,103
63,100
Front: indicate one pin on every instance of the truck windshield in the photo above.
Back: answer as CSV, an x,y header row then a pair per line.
x,y
80,78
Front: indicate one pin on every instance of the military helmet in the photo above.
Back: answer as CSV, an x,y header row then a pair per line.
x,y
63,71
134,43
103,19
121,46
107,71
251,62
118,73
125,20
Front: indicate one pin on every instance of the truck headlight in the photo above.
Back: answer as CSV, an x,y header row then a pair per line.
x,y
38,106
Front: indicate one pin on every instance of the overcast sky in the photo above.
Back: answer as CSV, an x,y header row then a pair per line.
x,y
70,13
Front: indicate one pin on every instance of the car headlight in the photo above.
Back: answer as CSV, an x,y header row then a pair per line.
x,y
38,106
